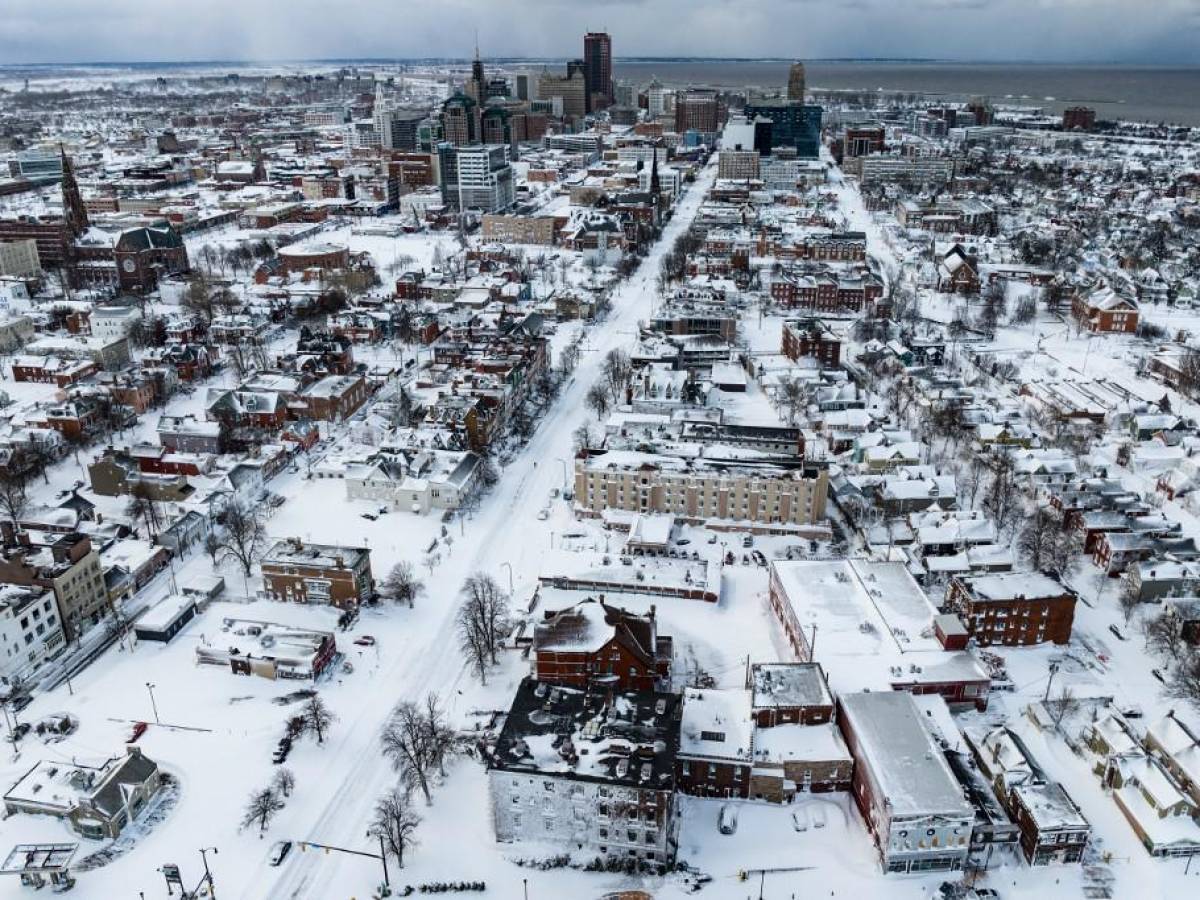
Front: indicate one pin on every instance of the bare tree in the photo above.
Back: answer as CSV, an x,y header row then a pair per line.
x,y
142,506
1163,635
395,822
1062,706
598,400
13,498
1047,544
244,536
1128,599
483,620
283,783
617,369
1184,683
318,718
406,744
402,584
261,808
1001,499
438,733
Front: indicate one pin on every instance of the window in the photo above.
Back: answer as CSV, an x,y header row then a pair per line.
x,y
718,736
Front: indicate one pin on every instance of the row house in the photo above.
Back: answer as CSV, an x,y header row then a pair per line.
x,y
1053,830
52,370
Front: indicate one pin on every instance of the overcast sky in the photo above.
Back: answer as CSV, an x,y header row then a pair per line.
x,y
1137,31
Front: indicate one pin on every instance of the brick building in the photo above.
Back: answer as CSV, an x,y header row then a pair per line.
x,y
1013,609
318,573
593,643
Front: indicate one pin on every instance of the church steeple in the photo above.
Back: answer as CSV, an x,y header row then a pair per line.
x,y
74,212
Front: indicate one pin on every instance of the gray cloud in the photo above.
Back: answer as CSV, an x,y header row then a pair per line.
x,y
1051,30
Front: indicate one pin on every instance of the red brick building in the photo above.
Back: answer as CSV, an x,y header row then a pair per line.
x,y
1013,609
592,643
810,337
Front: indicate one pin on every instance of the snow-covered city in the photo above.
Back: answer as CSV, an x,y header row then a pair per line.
x,y
525,480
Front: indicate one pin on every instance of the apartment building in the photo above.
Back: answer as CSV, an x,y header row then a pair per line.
x,y
318,573
67,565
694,489
589,770
30,630
1013,608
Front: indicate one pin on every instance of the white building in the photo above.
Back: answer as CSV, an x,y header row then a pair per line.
x,y
111,323
485,178
589,772
20,259
30,630
418,481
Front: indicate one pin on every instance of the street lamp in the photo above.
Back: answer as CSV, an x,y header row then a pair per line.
x,y
153,705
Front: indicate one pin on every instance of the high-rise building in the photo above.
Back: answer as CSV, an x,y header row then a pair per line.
x,y
623,94
795,125
571,90
476,86
478,178
656,99
597,69
523,86
697,110
460,120
795,88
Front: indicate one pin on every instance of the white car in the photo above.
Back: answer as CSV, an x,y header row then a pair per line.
x,y
543,515
800,819
818,816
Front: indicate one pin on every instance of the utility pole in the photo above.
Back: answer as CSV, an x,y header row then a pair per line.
x,y
812,645
204,851
383,859
1050,681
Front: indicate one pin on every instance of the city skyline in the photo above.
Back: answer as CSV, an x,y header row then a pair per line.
x,y
1077,31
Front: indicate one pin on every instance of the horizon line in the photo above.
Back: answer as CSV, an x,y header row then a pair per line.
x,y
636,58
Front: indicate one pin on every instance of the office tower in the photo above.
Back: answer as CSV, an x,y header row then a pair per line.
x,y
656,97
460,120
795,87
479,177
696,110
597,68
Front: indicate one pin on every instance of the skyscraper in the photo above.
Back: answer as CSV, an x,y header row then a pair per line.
x,y
795,88
476,88
597,68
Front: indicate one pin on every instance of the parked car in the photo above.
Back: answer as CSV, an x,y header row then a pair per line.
x,y
139,728
800,819
365,640
727,819
818,816
279,850
748,541
370,517
543,515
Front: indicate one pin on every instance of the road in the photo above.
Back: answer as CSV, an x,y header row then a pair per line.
x,y
502,532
